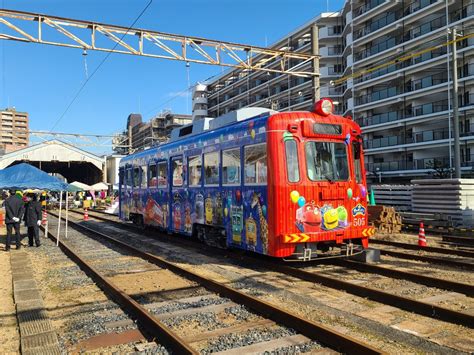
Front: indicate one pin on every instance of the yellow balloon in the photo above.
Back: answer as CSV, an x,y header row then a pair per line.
x,y
226,211
252,133
294,195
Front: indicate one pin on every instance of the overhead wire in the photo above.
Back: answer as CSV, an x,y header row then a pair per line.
x,y
99,66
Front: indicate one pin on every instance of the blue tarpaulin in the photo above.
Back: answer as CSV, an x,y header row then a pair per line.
x,y
25,176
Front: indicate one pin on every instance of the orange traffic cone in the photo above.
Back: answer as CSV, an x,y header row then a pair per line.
x,y
86,215
44,220
421,236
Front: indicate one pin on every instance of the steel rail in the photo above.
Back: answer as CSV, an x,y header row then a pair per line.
x,y
146,319
466,289
446,251
427,259
308,328
396,254
408,304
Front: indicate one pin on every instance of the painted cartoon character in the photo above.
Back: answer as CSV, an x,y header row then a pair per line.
x,y
330,219
165,209
263,222
209,209
153,213
308,218
219,210
251,232
188,224
199,208
237,221
177,216
342,216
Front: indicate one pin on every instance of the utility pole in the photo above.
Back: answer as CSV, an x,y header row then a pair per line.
x,y
457,149
315,52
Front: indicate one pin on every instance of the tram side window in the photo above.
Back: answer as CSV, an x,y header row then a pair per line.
x,y
136,177
195,168
255,158
144,182
357,162
177,172
162,174
211,168
231,167
129,178
122,178
292,164
152,178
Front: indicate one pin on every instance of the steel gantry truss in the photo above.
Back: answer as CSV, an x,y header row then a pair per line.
x,y
67,32
83,140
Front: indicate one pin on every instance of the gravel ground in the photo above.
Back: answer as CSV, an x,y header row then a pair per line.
x,y
249,337
388,328
76,306
193,323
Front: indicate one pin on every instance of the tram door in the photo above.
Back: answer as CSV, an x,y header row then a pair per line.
x,y
176,185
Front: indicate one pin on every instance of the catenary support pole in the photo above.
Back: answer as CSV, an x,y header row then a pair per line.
x,y
315,51
457,149
59,216
67,208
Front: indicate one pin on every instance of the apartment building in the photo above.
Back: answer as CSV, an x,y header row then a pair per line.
x,y
13,130
139,135
386,64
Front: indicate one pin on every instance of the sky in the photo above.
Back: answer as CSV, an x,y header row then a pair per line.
x,y
43,80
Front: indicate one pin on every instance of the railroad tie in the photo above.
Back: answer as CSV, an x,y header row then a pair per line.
x,y
37,335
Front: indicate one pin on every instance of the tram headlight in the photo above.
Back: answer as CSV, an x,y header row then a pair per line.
x,y
324,107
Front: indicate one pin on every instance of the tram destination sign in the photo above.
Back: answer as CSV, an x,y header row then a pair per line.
x,y
327,128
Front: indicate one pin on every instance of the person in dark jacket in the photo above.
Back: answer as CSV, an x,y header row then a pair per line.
x,y
13,212
33,219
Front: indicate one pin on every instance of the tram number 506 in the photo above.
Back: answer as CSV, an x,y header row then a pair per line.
x,y
359,222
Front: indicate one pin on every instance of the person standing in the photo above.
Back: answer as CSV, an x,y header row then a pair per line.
x,y
33,219
13,213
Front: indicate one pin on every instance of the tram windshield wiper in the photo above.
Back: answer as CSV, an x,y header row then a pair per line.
x,y
328,178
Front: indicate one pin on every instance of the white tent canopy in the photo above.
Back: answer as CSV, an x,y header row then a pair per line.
x,y
100,186
81,185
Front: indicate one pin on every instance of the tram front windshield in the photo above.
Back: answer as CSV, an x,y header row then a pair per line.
x,y
327,161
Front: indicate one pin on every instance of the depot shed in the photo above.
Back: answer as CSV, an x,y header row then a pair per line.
x,y
58,157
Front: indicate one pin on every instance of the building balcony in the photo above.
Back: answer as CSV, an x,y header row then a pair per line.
x,y
369,5
200,100
416,137
328,32
392,116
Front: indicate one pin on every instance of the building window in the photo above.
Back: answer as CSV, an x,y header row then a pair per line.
x,y
152,178
231,167
162,174
255,157
195,168
292,164
211,168
177,172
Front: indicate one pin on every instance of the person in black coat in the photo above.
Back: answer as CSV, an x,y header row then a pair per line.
x,y
14,211
33,219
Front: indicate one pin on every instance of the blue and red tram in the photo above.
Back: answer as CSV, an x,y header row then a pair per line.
x,y
288,185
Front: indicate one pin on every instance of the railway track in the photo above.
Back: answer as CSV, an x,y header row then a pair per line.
x,y
405,303
282,328
446,251
452,262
